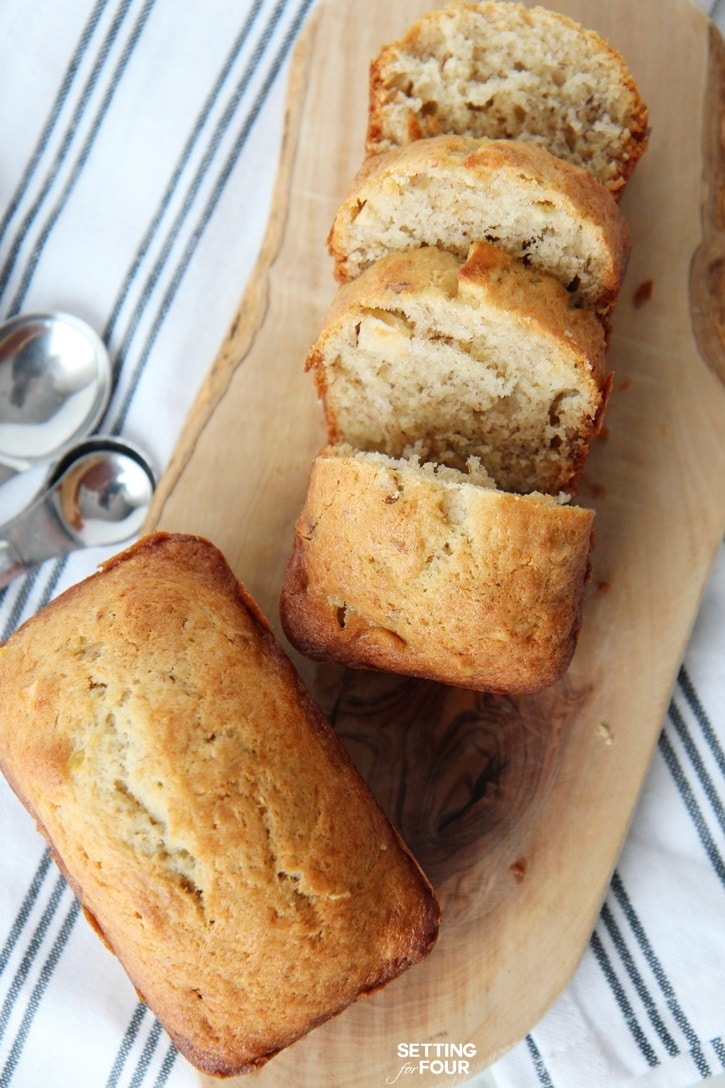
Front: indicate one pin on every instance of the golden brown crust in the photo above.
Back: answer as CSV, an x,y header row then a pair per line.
x,y
540,299
217,834
509,175
395,569
426,36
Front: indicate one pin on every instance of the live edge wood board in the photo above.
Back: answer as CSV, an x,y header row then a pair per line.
x,y
516,807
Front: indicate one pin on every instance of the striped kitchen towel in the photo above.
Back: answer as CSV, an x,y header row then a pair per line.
x,y
139,142
138,149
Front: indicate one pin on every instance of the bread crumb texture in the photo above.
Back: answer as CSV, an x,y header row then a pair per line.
x,y
430,572
486,359
203,810
504,71
452,191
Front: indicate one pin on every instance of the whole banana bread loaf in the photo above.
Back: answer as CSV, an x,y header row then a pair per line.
x,y
204,812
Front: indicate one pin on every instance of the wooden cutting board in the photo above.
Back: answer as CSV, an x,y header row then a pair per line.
x,y
516,807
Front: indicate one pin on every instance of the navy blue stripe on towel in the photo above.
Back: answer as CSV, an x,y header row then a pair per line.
x,y
35,944
37,994
690,802
146,1056
173,185
638,982
27,585
50,123
129,1037
542,1072
82,158
132,1041
210,206
628,1014
21,918
655,965
66,143
702,718
703,777
719,1047
165,1071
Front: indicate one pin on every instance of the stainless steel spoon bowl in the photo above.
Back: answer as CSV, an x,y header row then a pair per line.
x,y
97,494
55,381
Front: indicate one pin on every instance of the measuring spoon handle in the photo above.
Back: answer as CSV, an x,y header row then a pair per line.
x,y
11,565
34,535
6,472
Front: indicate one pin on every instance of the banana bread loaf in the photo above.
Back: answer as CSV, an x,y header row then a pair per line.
x,y
204,812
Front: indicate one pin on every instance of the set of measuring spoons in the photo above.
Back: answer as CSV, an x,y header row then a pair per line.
x,y
55,383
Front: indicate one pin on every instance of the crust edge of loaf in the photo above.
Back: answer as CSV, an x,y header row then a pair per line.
x,y
310,623
221,1061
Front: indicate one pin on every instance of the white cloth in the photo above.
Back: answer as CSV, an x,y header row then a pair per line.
x,y
138,149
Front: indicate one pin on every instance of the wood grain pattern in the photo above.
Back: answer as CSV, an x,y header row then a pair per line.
x,y
517,808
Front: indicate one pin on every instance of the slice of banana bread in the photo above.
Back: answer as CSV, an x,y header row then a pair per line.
x,y
503,70
486,359
451,191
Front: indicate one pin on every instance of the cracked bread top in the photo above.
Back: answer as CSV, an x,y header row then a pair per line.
x,y
502,70
204,812
427,571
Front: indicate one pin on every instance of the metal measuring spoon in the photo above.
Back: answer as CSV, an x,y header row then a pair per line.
x,y
97,494
55,381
